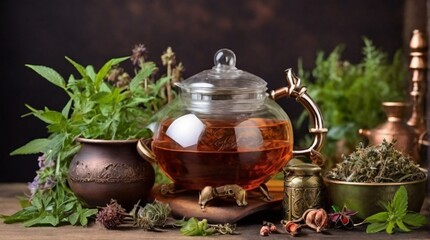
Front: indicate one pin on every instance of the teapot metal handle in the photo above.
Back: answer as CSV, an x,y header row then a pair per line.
x,y
145,151
294,90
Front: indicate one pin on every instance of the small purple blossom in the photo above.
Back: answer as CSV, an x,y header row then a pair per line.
x,y
39,182
41,160
33,186
44,163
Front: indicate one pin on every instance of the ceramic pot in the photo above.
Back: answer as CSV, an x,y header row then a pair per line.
x,y
110,169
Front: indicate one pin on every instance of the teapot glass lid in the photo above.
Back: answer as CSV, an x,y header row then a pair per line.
x,y
223,78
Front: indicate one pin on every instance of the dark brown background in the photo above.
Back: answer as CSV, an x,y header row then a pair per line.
x,y
267,37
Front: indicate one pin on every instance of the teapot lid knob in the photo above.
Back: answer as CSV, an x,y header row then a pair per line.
x,y
225,59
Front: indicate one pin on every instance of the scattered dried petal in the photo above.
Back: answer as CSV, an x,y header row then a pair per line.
x,y
264,231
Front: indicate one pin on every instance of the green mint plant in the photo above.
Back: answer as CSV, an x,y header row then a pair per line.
x,y
350,95
107,104
396,216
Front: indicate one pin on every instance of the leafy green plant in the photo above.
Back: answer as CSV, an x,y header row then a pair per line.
x,y
396,216
350,95
107,104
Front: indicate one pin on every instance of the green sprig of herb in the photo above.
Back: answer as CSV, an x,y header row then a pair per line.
x,y
397,216
194,227
107,104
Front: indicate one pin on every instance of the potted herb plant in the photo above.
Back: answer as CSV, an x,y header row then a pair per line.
x,y
107,108
350,94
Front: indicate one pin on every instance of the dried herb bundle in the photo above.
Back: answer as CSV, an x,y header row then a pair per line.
x,y
376,164
152,216
112,215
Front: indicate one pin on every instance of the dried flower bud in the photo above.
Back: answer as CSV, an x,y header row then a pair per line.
x,y
272,227
169,57
177,72
264,231
139,53
292,227
112,215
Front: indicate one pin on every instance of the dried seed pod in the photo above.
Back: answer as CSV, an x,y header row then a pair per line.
x,y
310,217
321,219
292,228
316,219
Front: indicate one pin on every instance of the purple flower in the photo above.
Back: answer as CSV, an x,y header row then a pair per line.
x,y
33,186
41,159
342,218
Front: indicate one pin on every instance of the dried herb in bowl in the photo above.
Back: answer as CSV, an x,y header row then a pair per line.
x,y
376,164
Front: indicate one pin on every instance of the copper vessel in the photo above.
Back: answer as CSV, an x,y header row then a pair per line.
x,y
395,128
105,169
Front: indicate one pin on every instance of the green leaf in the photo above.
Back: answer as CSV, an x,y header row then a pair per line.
x,y
105,69
23,215
44,219
78,67
390,227
191,228
73,218
66,108
37,202
160,83
400,201
402,226
48,116
90,72
89,212
415,219
376,227
34,146
377,217
49,74
83,220
146,71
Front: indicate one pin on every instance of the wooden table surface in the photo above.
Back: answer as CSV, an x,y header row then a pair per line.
x,y
248,227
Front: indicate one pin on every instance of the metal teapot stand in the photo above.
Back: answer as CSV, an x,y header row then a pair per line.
x,y
185,204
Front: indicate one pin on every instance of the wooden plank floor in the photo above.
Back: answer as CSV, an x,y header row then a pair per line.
x,y
248,228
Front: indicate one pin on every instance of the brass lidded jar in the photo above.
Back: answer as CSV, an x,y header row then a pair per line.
x,y
303,188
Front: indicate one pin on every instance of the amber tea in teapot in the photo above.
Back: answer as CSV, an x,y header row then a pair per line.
x,y
244,152
224,129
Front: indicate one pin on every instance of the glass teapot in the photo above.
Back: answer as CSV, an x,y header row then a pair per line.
x,y
224,129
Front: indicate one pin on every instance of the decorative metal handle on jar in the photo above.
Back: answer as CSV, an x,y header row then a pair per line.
x,y
294,90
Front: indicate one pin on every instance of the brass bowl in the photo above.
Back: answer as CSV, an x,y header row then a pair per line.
x,y
367,198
